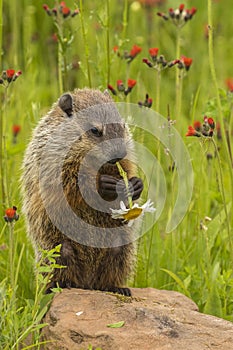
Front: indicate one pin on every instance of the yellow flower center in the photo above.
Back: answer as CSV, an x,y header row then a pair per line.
x,y
132,214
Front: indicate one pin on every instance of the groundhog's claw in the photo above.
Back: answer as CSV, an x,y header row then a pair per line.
x,y
110,188
137,185
123,291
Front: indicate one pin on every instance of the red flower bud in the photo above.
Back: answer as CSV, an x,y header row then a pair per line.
x,y
120,85
229,83
10,73
153,52
45,7
181,7
16,129
186,62
193,11
145,60
131,83
192,132
11,215
211,123
65,11
111,88
135,51
197,125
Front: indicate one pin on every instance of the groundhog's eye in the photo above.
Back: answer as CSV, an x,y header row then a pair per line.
x,y
95,131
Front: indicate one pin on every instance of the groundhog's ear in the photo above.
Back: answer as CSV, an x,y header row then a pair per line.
x,y
106,93
66,104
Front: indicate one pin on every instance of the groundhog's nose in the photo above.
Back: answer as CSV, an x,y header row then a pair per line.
x,y
120,154
114,160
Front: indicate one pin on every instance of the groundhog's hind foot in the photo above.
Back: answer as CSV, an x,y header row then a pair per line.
x,y
123,291
58,284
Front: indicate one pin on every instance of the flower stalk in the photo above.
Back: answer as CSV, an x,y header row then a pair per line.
x,y
86,47
220,114
125,179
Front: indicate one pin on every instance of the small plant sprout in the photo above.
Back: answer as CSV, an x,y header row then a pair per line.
x,y
134,210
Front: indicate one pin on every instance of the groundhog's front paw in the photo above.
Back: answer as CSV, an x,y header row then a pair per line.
x,y
110,188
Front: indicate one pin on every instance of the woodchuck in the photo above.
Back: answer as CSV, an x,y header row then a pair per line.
x,y
70,181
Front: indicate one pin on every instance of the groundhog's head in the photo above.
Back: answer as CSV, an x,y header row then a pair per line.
x,y
93,126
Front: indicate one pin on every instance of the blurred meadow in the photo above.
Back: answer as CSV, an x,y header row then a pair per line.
x,y
106,45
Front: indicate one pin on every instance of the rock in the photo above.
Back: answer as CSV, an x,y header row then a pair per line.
x,y
153,320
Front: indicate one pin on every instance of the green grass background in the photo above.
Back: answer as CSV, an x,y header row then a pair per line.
x,y
196,262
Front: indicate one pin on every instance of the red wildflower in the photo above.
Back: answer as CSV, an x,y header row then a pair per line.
x,y
193,11
120,85
111,88
211,123
131,83
192,132
229,83
16,129
147,103
65,11
11,215
45,7
153,52
161,14
145,60
197,125
186,62
62,4
10,73
115,48
135,51
17,74
76,12
181,7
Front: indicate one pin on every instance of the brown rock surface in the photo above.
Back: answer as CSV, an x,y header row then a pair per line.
x,y
153,320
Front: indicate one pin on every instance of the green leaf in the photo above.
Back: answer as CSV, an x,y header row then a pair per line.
x,y
213,304
178,281
116,325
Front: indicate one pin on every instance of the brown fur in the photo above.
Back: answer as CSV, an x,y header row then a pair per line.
x,y
87,267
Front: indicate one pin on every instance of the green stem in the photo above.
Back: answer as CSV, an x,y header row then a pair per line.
x,y
11,255
223,195
125,179
2,147
59,26
85,43
108,41
125,20
220,115
60,78
158,84
178,79
1,24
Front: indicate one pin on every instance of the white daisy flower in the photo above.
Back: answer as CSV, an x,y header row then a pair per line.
x,y
132,213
